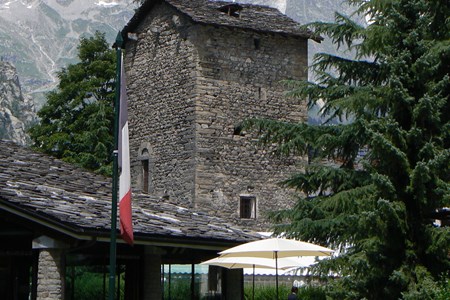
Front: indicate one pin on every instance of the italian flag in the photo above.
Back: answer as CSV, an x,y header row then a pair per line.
x,y
126,225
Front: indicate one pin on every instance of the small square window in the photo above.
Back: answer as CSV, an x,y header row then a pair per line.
x,y
262,93
247,207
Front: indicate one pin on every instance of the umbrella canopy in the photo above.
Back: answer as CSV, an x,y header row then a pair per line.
x,y
250,262
276,247
254,262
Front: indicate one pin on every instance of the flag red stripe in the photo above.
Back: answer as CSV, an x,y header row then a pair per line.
x,y
126,227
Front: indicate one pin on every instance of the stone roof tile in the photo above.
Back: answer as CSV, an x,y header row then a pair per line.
x,y
248,16
44,187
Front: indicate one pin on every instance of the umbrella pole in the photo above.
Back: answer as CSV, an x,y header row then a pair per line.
x,y
253,282
276,271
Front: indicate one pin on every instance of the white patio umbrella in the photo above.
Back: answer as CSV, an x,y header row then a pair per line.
x,y
253,262
250,262
276,248
280,247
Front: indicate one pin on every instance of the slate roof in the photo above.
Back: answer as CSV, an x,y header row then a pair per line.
x,y
76,201
251,17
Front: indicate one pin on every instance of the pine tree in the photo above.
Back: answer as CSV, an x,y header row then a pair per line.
x,y
76,123
373,185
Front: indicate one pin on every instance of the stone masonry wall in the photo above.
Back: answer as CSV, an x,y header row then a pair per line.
x,y
238,77
189,86
160,68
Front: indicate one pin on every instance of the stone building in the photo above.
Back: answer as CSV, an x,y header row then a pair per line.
x,y
195,70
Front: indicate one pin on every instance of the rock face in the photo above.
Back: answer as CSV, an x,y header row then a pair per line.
x,y
40,37
17,112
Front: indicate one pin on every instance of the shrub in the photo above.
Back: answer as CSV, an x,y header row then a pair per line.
x,y
269,292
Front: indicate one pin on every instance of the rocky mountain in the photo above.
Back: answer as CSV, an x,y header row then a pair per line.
x,y
41,36
17,111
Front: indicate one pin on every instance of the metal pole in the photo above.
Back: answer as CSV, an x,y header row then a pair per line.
x,y
192,282
112,248
170,281
253,289
118,283
276,270
163,283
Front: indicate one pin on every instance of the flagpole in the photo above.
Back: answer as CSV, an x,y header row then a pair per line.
x,y
112,248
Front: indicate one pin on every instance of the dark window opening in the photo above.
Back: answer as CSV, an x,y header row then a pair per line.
x,y
262,94
238,130
248,207
233,10
145,175
257,43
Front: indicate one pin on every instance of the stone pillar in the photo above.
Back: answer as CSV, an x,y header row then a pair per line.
x,y
152,288
50,282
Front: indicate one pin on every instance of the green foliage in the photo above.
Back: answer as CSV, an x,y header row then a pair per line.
x,y
426,287
180,289
88,286
90,282
377,207
76,123
266,292
269,292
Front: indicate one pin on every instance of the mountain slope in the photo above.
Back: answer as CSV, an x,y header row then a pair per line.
x,y
17,111
41,36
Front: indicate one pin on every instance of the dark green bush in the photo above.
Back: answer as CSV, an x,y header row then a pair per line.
x,y
180,289
266,292
88,282
269,292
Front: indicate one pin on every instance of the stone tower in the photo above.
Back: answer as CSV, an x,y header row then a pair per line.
x,y
195,70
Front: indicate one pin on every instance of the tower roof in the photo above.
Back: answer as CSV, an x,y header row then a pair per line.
x,y
256,18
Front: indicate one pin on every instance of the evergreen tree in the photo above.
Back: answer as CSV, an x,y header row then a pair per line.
x,y
76,123
374,184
